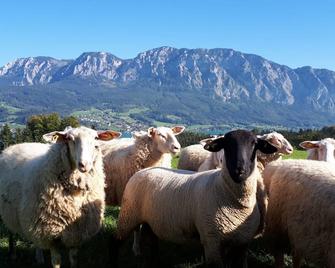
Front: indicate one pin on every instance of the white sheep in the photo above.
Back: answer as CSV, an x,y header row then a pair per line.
x,y
322,150
277,140
301,211
214,159
191,157
124,158
283,147
196,158
53,194
217,205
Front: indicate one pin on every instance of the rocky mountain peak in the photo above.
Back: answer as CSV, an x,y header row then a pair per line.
x,y
223,74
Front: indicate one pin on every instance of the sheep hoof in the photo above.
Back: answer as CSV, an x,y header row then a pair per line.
x,y
12,257
39,256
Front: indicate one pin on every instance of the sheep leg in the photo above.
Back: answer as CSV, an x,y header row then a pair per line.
x,y
279,259
113,251
212,254
296,260
39,256
239,256
262,203
148,247
73,256
56,258
136,243
11,247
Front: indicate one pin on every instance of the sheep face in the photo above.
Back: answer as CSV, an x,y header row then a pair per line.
x,y
164,138
240,152
82,143
277,140
323,150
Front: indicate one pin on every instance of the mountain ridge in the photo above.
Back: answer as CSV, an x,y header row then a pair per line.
x,y
226,77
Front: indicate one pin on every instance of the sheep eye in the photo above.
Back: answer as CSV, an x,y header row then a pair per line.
x,y
162,136
96,147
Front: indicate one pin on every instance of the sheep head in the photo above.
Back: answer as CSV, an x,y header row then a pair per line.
x,y
278,140
240,148
323,150
82,143
164,138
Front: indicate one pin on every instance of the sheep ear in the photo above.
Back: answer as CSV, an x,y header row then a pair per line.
x,y
177,130
56,137
108,135
265,147
151,132
309,144
205,141
138,134
215,145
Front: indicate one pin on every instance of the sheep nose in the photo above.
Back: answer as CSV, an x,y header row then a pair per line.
x,y
176,147
240,170
82,166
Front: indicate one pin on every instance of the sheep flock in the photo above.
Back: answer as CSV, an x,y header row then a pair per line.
x,y
228,191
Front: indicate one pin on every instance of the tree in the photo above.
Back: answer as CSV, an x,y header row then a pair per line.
x,y
6,136
38,125
19,138
35,127
51,122
69,121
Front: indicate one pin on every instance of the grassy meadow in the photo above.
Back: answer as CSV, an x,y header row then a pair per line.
x,y
95,253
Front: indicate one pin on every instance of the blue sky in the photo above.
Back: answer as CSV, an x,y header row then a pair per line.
x,y
294,33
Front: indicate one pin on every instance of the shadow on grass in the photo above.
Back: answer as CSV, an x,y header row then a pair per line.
x,y
95,253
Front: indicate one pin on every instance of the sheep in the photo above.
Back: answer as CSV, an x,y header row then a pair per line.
x,y
283,147
323,150
53,194
277,140
301,211
195,158
191,157
214,159
217,207
123,158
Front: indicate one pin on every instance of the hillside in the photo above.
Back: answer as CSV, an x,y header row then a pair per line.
x,y
209,88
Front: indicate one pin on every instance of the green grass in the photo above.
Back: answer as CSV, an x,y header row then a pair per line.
x,y
175,160
297,154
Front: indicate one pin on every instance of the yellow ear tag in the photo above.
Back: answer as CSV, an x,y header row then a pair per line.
x,y
55,138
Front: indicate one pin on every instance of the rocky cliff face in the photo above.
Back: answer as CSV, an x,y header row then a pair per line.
x,y
223,74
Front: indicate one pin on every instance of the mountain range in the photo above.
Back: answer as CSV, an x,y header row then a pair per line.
x,y
207,87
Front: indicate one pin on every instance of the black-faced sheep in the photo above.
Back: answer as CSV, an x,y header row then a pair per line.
x,y
217,207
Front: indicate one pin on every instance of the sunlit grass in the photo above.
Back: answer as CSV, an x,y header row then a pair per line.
x,y
297,154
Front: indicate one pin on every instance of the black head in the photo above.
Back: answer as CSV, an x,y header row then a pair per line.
x,y
240,152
